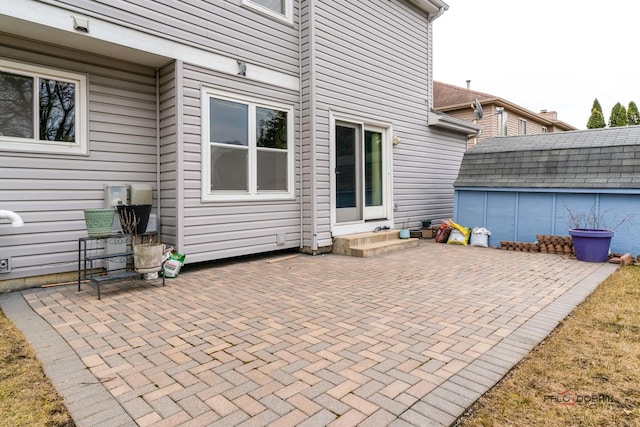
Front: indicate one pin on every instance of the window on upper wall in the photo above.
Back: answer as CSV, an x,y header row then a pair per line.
x,y
248,145
42,110
544,130
522,127
280,9
502,122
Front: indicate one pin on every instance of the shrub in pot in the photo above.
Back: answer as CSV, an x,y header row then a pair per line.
x,y
137,215
591,245
590,234
147,256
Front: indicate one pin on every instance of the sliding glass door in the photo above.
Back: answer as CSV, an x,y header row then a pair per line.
x,y
359,172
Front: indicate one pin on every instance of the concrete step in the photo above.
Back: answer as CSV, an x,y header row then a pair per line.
x,y
371,244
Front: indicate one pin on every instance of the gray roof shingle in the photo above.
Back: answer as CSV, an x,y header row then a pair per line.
x,y
597,158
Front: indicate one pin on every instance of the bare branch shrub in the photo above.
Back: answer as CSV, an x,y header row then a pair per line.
x,y
594,219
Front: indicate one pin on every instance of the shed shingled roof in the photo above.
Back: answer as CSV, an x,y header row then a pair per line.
x,y
596,158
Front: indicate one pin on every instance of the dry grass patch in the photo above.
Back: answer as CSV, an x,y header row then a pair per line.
x,y
27,398
586,373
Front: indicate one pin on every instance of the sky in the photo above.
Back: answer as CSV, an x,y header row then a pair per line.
x,y
555,55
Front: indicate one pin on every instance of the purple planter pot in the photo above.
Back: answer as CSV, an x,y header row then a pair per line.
x,y
591,245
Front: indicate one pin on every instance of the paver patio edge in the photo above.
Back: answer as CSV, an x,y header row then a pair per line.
x,y
282,305
525,337
70,377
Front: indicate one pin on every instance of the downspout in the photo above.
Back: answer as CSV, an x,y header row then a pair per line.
x,y
158,222
178,89
312,127
300,152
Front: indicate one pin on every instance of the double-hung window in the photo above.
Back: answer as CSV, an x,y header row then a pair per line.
x,y
247,148
503,129
280,9
522,126
42,110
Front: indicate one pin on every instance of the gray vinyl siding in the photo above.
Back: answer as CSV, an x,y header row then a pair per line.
x,y
373,60
51,191
224,27
214,230
308,128
169,159
424,188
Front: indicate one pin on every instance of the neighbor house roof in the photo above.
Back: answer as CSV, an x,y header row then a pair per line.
x,y
446,95
449,98
597,158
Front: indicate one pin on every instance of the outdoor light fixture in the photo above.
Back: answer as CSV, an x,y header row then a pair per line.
x,y
242,68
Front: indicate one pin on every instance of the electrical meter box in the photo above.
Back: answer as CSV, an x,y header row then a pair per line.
x,y
115,195
141,194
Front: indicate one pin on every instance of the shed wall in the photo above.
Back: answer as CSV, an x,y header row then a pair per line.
x,y
521,215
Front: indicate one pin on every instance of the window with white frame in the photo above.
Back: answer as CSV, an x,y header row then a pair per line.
x,y
544,130
248,148
280,9
522,126
502,122
42,109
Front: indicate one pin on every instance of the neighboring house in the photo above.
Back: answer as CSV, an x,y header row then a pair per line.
x,y
261,125
522,186
500,117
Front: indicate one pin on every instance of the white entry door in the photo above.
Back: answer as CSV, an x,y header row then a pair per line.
x,y
360,178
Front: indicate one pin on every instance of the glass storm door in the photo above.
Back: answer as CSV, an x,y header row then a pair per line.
x,y
359,173
348,173
373,175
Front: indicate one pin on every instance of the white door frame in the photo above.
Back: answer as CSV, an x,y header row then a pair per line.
x,y
386,211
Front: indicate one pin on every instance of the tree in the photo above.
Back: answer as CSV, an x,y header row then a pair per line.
x,y
618,116
633,115
596,120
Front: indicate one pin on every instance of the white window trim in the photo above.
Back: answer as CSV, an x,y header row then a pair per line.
x,y
360,226
253,193
288,10
34,145
522,126
503,123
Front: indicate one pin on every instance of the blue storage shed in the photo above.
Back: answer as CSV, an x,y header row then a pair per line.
x,y
522,186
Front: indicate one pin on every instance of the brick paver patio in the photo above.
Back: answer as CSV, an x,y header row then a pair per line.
x,y
411,338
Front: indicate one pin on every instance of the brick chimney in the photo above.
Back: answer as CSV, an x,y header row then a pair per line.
x,y
549,115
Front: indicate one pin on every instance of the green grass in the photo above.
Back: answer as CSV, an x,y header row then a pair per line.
x,y
595,352
27,398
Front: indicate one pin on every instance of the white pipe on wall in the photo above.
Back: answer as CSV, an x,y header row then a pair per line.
x,y
15,219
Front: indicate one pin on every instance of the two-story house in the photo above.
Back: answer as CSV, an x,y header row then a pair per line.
x,y
260,124
500,116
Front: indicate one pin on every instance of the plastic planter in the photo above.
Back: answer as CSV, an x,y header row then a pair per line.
x,y
591,245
